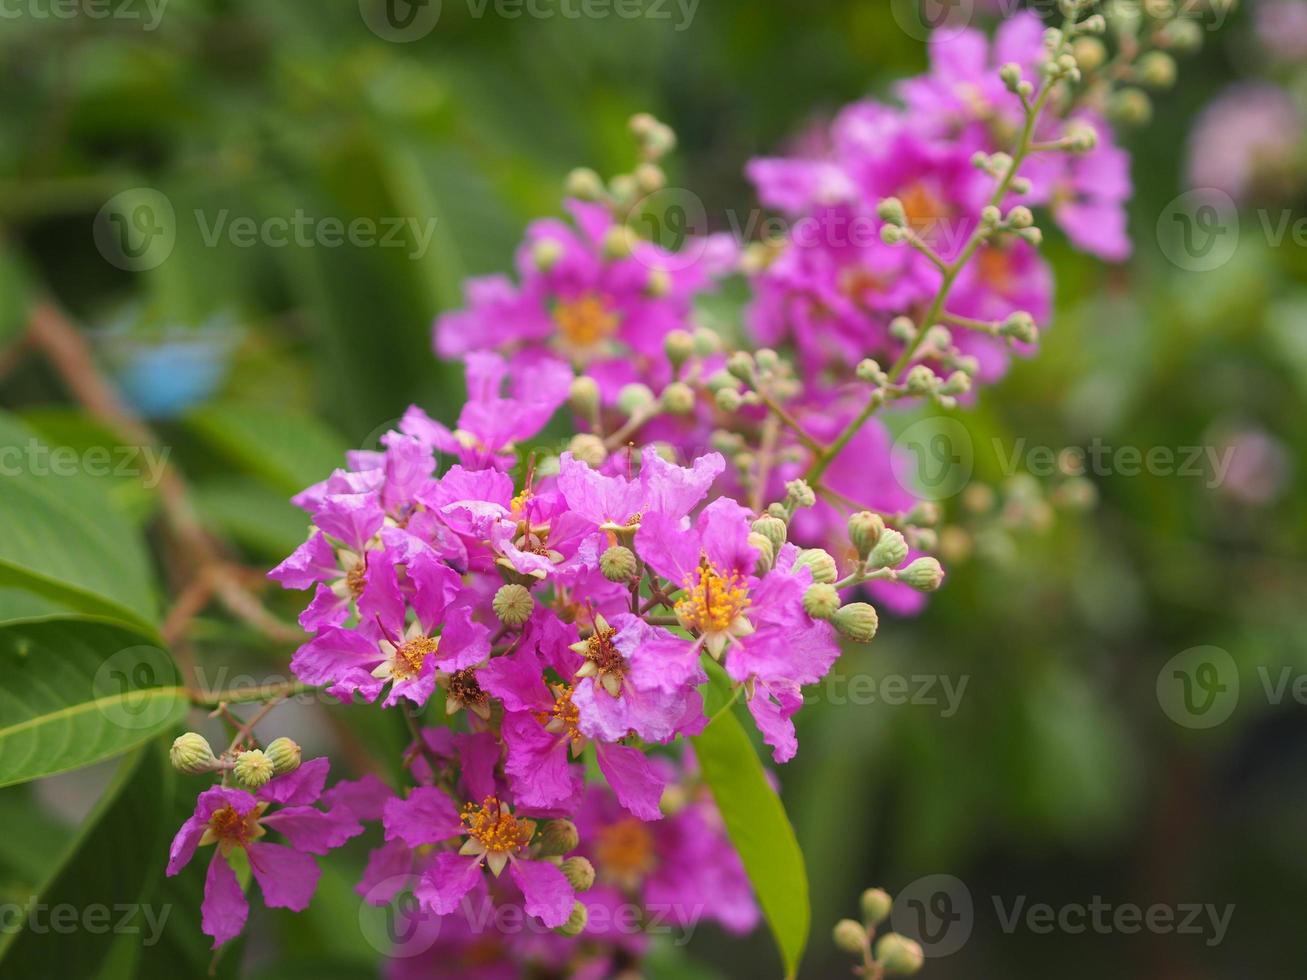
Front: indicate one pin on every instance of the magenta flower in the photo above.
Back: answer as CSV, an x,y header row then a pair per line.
x,y
236,820
615,503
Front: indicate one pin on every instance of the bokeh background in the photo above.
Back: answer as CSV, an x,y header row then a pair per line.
x,y
1068,770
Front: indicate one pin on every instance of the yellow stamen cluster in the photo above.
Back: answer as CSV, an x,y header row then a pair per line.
x,y
624,852
712,602
496,829
229,830
603,661
464,689
564,716
411,654
585,321
354,579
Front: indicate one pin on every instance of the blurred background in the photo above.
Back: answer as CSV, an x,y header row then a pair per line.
x,y
1067,764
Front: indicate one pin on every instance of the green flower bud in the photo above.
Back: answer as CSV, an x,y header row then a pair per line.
x,y
849,937
868,371
583,396
618,564
546,253
634,398
575,923
706,342
924,513
740,364
584,184
659,283
892,234
1089,53
865,529
588,448
924,574
1020,217
766,553
579,872
890,550
891,212
1130,107
1157,69
876,905
1020,326
623,190
285,755
721,379
191,753
618,242
858,621
1010,73
902,329
898,955
253,769
649,177
921,379
768,360
773,529
777,510
679,345
728,400
821,600
513,604
678,398
1183,36
819,562
799,494
557,837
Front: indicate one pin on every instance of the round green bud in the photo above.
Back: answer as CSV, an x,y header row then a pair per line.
x,y
766,553
1157,69
285,755
868,371
1130,107
679,345
957,383
1184,36
902,329
659,283
253,769
892,234
740,365
898,955
618,242
721,379
706,342
1010,74
1089,53
649,177
588,448
849,936
634,398
545,254
858,621
1020,326
513,604
579,872
891,211
191,753
865,529
624,191
821,600
890,550
575,923
618,564
921,379
1020,217
583,396
819,562
773,529
678,398
768,360
728,399
557,837
923,574
799,494
876,905
777,510
584,184
924,514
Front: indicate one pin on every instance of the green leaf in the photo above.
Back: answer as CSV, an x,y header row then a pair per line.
x,y
254,515
75,691
60,537
96,894
287,450
756,822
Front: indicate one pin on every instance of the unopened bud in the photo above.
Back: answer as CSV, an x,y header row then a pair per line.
x,y
891,211
545,253
707,342
890,550
819,562
740,365
728,400
867,370
1131,107
858,621
1020,217
799,494
865,529
584,184
579,872
659,284
618,242
679,345
773,529
575,923
588,448
253,769
649,177
558,837
285,754
191,753
821,600
921,379
849,936
923,574
1157,69
1089,53
634,398
898,955
902,329
1010,73
583,396
513,604
876,906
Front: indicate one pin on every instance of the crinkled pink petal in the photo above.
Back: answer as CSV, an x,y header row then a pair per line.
x,y
426,816
636,783
225,908
286,877
548,895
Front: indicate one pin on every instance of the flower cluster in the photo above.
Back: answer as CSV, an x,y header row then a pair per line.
x,y
549,618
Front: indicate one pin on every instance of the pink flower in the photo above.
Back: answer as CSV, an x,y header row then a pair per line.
x,y
236,820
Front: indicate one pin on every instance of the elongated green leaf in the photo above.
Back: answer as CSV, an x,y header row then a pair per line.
x,y
75,691
59,535
96,894
757,824
286,450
